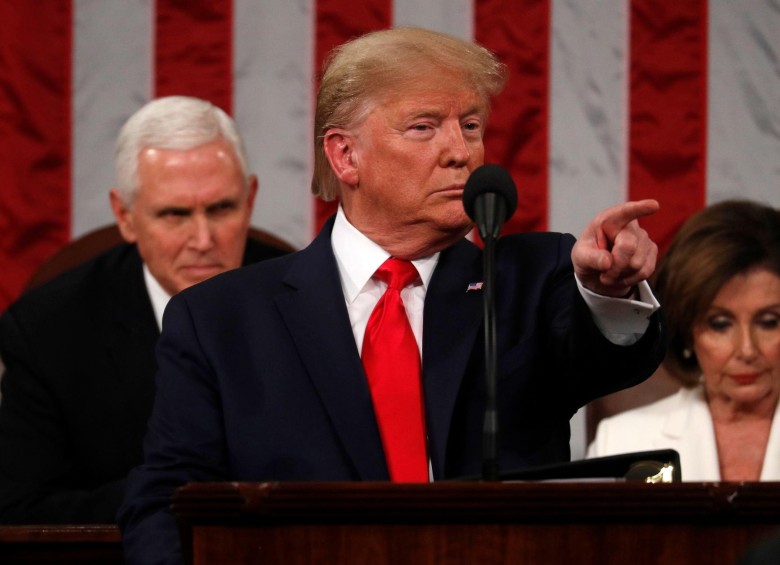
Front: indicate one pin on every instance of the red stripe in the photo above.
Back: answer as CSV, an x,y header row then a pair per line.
x,y
336,22
35,138
518,31
668,111
194,50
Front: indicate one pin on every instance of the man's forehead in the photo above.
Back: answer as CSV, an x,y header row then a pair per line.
x,y
192,194
218,149
434,100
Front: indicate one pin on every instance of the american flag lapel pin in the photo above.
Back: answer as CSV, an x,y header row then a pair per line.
x,y
474,286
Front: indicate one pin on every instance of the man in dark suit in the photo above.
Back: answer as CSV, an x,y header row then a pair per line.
x,y
263,372
79,351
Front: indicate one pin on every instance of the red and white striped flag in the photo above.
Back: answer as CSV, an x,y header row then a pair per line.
x,y
608,100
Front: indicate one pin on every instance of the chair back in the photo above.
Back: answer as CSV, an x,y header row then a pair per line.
x,y
95,242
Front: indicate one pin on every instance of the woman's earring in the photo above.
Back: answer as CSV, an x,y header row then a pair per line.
x,y
687,353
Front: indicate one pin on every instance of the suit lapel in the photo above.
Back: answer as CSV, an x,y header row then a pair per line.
x,y
316,317
692,413
132,328
451,325
771,468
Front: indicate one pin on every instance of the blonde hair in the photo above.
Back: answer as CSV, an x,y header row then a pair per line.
x,y
359,72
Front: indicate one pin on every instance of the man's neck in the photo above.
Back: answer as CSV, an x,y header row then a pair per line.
x,y
411,241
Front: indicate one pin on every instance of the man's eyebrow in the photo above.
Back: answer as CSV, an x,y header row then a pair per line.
x,y
176,210
476,109
224,203
426,113
435,112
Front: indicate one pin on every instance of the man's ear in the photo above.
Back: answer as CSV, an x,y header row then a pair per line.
x,y
339,146
252,186
123,215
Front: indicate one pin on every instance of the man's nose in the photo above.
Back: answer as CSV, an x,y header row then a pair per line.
x,y
456,151
201,237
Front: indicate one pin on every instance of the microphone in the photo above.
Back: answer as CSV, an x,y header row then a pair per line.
x,y
490,198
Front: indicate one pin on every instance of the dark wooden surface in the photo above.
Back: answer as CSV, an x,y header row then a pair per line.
x,y
443,523
53,545
476,523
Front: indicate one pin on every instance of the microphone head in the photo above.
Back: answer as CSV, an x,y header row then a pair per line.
x,y
490,179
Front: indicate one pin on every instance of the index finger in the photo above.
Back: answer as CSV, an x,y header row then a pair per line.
x,y
620,215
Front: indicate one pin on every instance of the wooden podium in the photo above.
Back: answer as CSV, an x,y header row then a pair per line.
x,y
95,544
475,523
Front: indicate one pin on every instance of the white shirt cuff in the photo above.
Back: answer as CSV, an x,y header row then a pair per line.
x,y
622,321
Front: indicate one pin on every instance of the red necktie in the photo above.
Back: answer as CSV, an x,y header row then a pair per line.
x,y
391,360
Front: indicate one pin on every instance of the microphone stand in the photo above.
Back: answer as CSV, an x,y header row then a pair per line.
x,y
492,209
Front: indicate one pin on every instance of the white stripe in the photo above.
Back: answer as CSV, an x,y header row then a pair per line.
x,y
455,17
112,54
588,111
744,101
588,117
273,106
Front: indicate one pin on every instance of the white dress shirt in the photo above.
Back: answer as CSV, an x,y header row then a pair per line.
x,y
623,322
157,295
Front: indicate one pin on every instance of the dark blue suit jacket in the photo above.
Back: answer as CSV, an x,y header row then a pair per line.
x,y
78,389
260,379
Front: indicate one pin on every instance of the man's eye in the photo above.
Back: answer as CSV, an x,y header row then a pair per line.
x,y
174,213
222,208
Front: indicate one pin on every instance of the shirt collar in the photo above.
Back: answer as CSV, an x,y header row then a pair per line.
x,y
358,257
157,295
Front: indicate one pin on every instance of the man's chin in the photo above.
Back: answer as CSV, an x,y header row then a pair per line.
x,y
447,232
197,274
457,224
